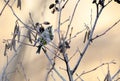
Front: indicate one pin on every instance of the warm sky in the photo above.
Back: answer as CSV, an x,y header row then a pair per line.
x,y
103,49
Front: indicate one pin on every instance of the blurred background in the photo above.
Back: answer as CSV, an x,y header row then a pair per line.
x,y
102,50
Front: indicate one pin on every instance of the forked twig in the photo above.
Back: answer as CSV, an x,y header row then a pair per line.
x,y
106,30
103,64
4,7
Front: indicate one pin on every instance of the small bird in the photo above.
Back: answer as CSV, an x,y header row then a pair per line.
x,y
45,37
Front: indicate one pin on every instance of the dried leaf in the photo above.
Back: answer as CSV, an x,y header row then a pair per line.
x,y
8,45
88,35
30,15
18,36
36,36
51,6
5,51
29,36
19,4
13,45
16,30
85,37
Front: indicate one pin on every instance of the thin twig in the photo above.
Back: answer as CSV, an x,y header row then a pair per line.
x,y
53,76
106,30
88,42
115,74
23,43
76,34
59,20
61,77
24,73
25,25
112,62
65,4
64,21
66,61
54,53
72,18
117,79
4,7
73,55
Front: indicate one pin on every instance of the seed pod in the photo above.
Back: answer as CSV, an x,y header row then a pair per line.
x,y
19,4
29,36
88,35
85,37
14,45
5,51
46,23
56,1
51,6
53,11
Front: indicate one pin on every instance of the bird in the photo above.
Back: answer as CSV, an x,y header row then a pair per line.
x,y
44,38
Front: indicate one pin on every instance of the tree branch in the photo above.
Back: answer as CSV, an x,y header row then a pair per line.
x,y
4,7
97,36
103,64
88,42
72,18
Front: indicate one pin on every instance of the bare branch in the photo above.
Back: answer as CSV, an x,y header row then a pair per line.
x,y
4,7
103,64
65,4
72,18
73,55
76,34
25,25
66,60
117,79
24,73
89,40
118,72
64,21
57,72
97,36
59,20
